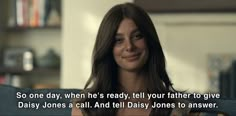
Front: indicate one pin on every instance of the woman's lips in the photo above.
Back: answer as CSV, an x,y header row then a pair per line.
x,y
132,57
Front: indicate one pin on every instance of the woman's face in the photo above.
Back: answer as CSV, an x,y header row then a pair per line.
x,y
130,50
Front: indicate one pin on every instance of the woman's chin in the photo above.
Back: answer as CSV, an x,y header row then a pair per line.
x,y
133,68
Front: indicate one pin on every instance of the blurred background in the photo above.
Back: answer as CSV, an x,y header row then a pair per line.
x,y
48,43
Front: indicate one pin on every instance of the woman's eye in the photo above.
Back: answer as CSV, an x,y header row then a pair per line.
x,y
118,40
138,36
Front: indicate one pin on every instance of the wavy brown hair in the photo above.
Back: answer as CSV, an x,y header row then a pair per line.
x,y
103,78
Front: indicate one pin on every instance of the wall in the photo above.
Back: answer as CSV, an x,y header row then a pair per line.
x,y
186,40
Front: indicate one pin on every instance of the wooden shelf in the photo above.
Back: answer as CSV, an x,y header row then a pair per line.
x,y
17,28
35,71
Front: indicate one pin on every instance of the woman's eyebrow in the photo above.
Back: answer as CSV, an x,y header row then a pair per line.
x,y
118,35
135,31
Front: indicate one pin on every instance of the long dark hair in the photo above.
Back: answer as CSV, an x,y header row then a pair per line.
x,y
104,68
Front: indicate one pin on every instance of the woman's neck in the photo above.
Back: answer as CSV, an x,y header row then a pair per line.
x,y
131,82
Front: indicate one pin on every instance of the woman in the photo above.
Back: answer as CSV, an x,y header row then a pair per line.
x,y
128,57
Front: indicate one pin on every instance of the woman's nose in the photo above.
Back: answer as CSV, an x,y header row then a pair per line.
x,y
129,46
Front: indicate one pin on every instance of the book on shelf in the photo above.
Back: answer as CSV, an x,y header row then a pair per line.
x,y
2,79
13,80
31,13
6,79
11,13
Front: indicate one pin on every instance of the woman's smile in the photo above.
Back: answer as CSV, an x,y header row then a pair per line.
x,y
132,58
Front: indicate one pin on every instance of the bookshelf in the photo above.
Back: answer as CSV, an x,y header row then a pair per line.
x,y
33,13
23,22
4,70
17,28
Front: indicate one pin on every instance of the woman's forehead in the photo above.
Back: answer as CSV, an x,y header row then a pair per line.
x,y
127,25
